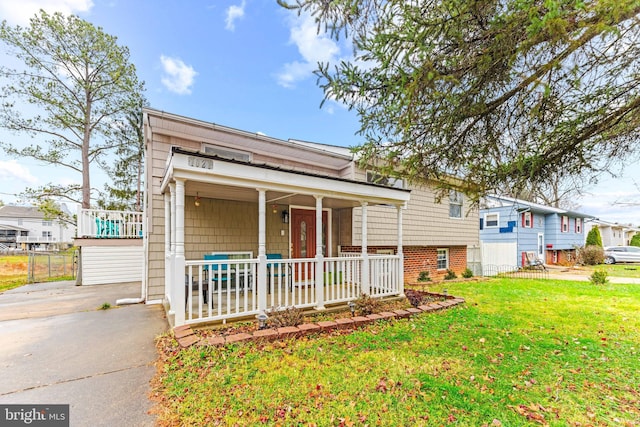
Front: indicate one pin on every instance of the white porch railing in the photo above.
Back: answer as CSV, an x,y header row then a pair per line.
x,y
35,239
109,224
225,289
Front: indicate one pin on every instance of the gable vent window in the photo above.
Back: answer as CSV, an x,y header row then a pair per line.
x,y
376,178
226,153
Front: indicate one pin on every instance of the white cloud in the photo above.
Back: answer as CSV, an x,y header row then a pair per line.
x,y
19,12
234,13
13,171
178,76
313,48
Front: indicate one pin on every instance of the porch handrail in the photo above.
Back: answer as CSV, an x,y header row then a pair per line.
x,y
223,289
110,224
35,239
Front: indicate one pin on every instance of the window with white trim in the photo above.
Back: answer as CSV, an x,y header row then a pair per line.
x,y
578,225
455,204
491,219
527,220
47,223
564,224
443,259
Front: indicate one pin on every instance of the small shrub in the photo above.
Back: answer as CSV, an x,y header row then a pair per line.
x,y
423,276
367,305
290,316
598,277
591,255
415,297
105,306
450,275
467,273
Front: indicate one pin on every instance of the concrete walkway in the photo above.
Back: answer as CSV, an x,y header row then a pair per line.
x,y
59,348
560,273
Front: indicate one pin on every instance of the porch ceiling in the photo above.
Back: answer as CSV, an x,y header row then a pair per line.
x,y
215,178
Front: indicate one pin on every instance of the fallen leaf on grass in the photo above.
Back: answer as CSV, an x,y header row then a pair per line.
x,y
532,412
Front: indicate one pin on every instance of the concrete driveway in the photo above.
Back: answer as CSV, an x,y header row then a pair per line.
x,y
59,348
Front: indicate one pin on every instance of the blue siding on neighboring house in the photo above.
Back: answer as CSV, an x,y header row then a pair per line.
x,y
543,221
562,241
494,234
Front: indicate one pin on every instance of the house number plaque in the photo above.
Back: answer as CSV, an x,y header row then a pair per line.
x,y
198,162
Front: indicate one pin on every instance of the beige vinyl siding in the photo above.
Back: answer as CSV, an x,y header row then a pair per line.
x,y
111,264
426,222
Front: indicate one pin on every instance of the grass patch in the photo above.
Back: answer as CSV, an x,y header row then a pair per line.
x,y
521,352
618,270
14,269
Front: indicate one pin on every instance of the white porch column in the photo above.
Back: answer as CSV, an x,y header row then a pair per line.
x,y
261,282
319,256
172,243
168,274
179,264
400,254
365,287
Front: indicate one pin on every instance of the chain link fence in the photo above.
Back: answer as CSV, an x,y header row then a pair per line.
x,y
43,266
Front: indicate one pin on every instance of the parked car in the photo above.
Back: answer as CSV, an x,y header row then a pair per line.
x,y
615,254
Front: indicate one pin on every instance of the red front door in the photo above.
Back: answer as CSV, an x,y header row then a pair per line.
x,y
303,239
303,233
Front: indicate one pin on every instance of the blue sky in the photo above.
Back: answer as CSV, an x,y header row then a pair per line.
x,y
246,64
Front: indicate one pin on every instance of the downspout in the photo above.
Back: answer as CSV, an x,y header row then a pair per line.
x,y
145,228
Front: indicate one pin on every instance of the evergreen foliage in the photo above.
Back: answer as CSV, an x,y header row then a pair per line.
x,y
496,93
79,84
593,237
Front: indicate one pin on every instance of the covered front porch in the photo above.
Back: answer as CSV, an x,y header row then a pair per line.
x,y
242,238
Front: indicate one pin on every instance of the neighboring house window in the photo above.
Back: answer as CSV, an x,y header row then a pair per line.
x,y
46,223
491,220
527,220
46,234
578,225
564,224
455,204
443,259
376,178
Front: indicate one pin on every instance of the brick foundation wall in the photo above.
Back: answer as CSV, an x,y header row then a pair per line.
x,y
564,257
422,258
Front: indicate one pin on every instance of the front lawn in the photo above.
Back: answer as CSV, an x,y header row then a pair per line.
x,y
619,270
519,352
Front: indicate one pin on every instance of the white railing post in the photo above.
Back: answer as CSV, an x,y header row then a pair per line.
x,y
261,282
80,222
365,287
319,257
179,265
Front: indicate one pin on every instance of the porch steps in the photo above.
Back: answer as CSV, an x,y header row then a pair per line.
x,y
187,337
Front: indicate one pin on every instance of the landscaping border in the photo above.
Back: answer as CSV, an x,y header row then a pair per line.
x,y
187,337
